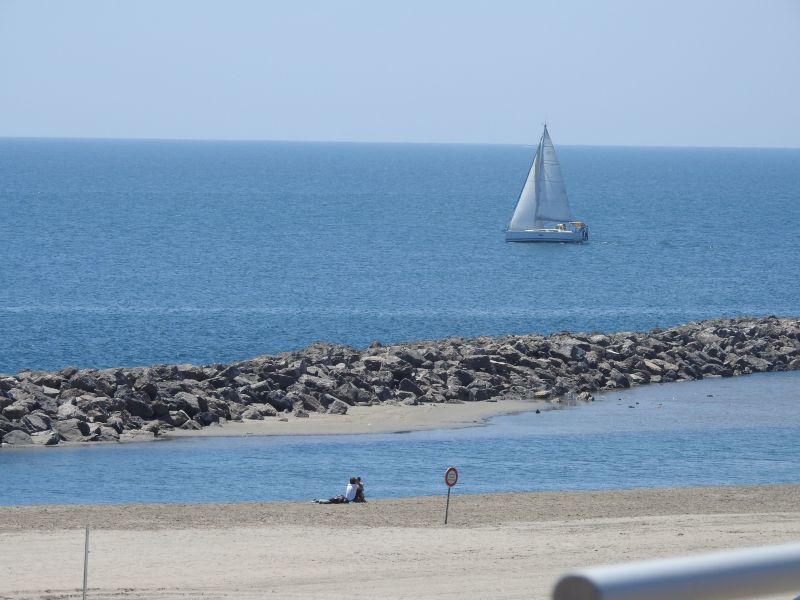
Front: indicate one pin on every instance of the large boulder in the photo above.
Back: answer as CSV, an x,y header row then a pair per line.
x,y
46,438
17,438
36,422
107,434
6,425
282,380
477,362
82,381
251,413
305,402
72,430
406,385
160,409
16,411
322,385
259,411
138,406
257,392
179,418
68,411
191,372
190,403
206,418
409,355
338,408
49,380
116,422
390,363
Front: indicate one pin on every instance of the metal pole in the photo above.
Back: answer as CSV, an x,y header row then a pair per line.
x,y
85,562
744,573
447,508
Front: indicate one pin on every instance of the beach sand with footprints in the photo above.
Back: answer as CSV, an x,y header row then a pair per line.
x,y
494,546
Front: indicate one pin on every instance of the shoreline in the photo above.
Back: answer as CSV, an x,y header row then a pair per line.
x,y
380,419
494,546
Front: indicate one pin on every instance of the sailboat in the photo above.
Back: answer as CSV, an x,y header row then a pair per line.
x,y
542,212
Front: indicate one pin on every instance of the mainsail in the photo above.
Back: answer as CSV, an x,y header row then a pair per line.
x,y
544,197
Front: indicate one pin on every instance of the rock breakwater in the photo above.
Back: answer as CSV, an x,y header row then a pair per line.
x,y
74,405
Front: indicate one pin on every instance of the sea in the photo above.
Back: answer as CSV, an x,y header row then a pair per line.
x,y
126,253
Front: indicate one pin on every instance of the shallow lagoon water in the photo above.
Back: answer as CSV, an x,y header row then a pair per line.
x,y
713,432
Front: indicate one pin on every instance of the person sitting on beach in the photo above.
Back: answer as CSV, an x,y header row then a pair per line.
x,y
353,493
352,489
359,491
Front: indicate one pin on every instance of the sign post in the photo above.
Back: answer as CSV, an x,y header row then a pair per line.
x,y
450,479
85,562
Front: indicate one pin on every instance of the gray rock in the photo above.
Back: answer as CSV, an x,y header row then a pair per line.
x,y
15,411
347,392
406,385
138,435
190,372
373,363
190,404
252,414
138,407
463,377
301,414
477,362
179,417
338,408
282,380
72,430
116,422
107,434
69,411
206,418
50,392
567,351
319,384
36,422
153,426
82,381
409,355
7,425
17,438
46,438
305,402
160,409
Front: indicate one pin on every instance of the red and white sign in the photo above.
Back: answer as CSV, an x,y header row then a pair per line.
x,y
451,476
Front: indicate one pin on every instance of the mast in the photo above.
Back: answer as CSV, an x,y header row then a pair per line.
x,y
537,222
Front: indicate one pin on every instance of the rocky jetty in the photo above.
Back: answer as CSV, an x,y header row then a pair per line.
x,y
72,405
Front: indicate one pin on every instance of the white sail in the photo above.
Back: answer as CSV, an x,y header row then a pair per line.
x,y
543,197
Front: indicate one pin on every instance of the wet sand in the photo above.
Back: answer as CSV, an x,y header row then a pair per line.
x,y
382,418
495,546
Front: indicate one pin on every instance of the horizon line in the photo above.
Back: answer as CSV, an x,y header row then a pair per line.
x,y
393,142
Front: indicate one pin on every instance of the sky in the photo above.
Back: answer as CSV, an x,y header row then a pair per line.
x,y
653,73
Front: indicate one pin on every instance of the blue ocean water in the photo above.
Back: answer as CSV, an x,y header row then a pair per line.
x,y
138,252
711,432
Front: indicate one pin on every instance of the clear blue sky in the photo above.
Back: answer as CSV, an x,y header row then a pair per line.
x,y
677,72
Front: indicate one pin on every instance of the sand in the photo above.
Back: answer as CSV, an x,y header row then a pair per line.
x,y
495,546
383,418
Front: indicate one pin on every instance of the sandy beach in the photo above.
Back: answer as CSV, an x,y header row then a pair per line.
x,y
382,418
495,546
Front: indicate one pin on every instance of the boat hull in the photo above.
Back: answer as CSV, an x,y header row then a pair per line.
x,y
575,236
